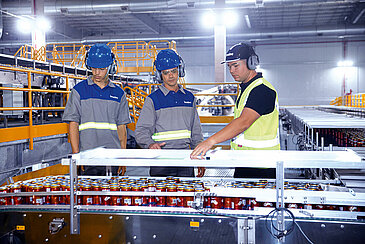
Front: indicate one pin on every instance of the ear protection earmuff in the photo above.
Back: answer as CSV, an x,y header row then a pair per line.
x,y
114,66
253,60
158,75
181,69
86,55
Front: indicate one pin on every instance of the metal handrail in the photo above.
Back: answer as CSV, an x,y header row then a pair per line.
x,y
131,56
30,52
67,54
355,101
30,90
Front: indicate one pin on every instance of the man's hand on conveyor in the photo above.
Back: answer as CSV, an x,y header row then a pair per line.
x,y
121,170
202,148
201,171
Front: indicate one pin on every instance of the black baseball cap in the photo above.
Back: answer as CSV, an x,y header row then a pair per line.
x,y
238,51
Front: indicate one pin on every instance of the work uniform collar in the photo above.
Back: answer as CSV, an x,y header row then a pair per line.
x,y
166,91
91,82
245,85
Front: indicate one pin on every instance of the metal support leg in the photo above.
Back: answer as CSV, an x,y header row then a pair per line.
x,y
280,196
74,216
108,170
305,135
246,231
317,141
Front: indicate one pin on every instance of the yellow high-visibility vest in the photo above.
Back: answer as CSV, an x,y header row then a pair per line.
x,y
263,134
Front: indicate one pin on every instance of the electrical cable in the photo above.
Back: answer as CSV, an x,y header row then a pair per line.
x,y
291,227
286,231
273,214
7,233
281,233
306,237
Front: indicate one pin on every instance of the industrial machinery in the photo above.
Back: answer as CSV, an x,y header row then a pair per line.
x,y
318,128
219,99
85,209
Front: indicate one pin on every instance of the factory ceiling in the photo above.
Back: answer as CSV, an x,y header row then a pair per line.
x,y
258,20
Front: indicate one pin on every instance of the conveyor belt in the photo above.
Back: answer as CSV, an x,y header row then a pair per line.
x,y
334,117
317,119
24,62
354,178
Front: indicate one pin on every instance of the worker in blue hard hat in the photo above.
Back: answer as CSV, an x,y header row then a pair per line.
x,y
169,119
97,109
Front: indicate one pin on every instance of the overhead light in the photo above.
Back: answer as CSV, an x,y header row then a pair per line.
x,y
43,24
230,18
24,25
208,19
345,63
248,22
27,25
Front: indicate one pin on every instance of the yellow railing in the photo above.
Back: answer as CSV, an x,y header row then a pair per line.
x,y
132,56
31,131
163,44
355,101
29,52
67,54
337,101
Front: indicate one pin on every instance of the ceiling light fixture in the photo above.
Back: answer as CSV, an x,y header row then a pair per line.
x,y
345,63
29,24
208,19
230,18
43,24
24,25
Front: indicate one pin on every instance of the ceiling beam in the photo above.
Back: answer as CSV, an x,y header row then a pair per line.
x,y
65,30
357,13
149,22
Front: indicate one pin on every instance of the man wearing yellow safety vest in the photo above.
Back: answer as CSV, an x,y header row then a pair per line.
x,y
169,119
97,110
256,113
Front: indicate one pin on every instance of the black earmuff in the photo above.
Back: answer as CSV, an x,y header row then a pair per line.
x,y
181,67
114,66
158,75
86,55
253,60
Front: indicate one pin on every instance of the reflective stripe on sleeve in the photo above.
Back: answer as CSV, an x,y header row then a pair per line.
x,y
98,126
241,141
171,135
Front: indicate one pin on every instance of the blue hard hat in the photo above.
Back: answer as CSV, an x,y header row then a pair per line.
x,y
167,59
99,56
